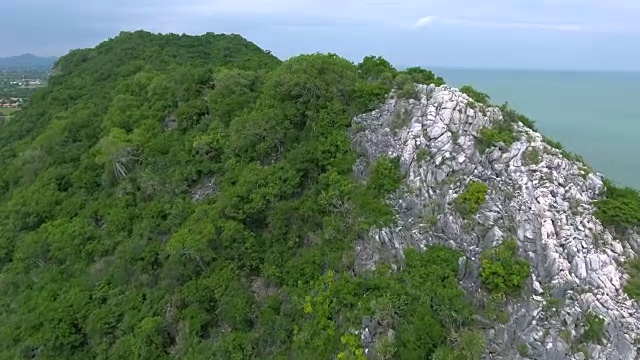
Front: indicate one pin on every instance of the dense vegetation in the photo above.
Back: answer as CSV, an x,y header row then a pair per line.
x,y
619,208
469,201
191,197
476,95
500,132
502,270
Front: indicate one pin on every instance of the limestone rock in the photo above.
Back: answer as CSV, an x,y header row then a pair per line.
x,y
547,207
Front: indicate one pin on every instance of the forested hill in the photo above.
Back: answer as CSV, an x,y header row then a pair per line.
x,y
26,61
192,197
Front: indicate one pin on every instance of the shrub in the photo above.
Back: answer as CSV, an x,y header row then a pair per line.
x,y
510,115
374,68
470,200
422,154
405,87
632,287
501,132
533,157
475,95
400,119
566,153
554,144
385,175
436,306
523,350
502,271
405,81
619,208
594,329
422,76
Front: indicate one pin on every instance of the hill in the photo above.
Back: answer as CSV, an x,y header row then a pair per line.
x,y
194,197
27,61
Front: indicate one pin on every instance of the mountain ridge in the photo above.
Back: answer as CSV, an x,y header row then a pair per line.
x,y
189,197
27,60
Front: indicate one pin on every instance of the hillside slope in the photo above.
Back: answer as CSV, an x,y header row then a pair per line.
x,y
194,197
572,303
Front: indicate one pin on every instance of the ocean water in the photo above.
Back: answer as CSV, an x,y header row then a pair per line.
x,y
594,114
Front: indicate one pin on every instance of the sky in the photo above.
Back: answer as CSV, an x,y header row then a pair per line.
x,y
535,34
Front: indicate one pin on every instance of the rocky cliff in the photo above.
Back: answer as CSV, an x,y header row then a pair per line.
x,y
536,196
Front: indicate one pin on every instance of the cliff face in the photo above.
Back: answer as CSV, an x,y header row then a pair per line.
x,y
536,196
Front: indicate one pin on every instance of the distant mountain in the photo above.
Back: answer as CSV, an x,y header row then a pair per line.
x,y
27,60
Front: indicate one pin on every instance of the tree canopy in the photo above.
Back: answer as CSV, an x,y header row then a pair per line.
x,y
191,197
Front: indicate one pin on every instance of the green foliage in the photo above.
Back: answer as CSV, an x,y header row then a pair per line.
x,y
475,95
533,157
378,75
406,80
619,207
632,286
405,87
385,348
435,304
512,116
594,329
105,254
523,350
375,68
566,153
500,132
401,118
385,175
554,144
470,200
502,271
422,154
422,76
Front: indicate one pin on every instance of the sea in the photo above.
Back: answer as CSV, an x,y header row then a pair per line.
x,y
594,114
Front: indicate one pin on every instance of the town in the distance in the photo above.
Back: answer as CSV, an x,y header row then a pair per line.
x,y
20,76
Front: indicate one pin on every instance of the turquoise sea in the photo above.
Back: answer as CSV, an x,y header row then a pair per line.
x,y
594,114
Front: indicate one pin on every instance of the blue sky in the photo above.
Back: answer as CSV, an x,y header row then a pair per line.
x,y
548,34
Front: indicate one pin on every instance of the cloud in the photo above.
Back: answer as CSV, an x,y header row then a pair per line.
x,y
544,31
431,20
424,21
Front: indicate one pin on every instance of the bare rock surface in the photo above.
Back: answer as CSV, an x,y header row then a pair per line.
x,y
543,202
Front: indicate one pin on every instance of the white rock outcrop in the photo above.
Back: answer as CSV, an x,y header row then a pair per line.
x,y
546,205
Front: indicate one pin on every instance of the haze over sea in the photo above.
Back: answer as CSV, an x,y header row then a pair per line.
x,y
594,114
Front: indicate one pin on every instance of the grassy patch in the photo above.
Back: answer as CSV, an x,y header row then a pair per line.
x,y
502,270
533,157
470,200
594,329
8,111
551,303
422,155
